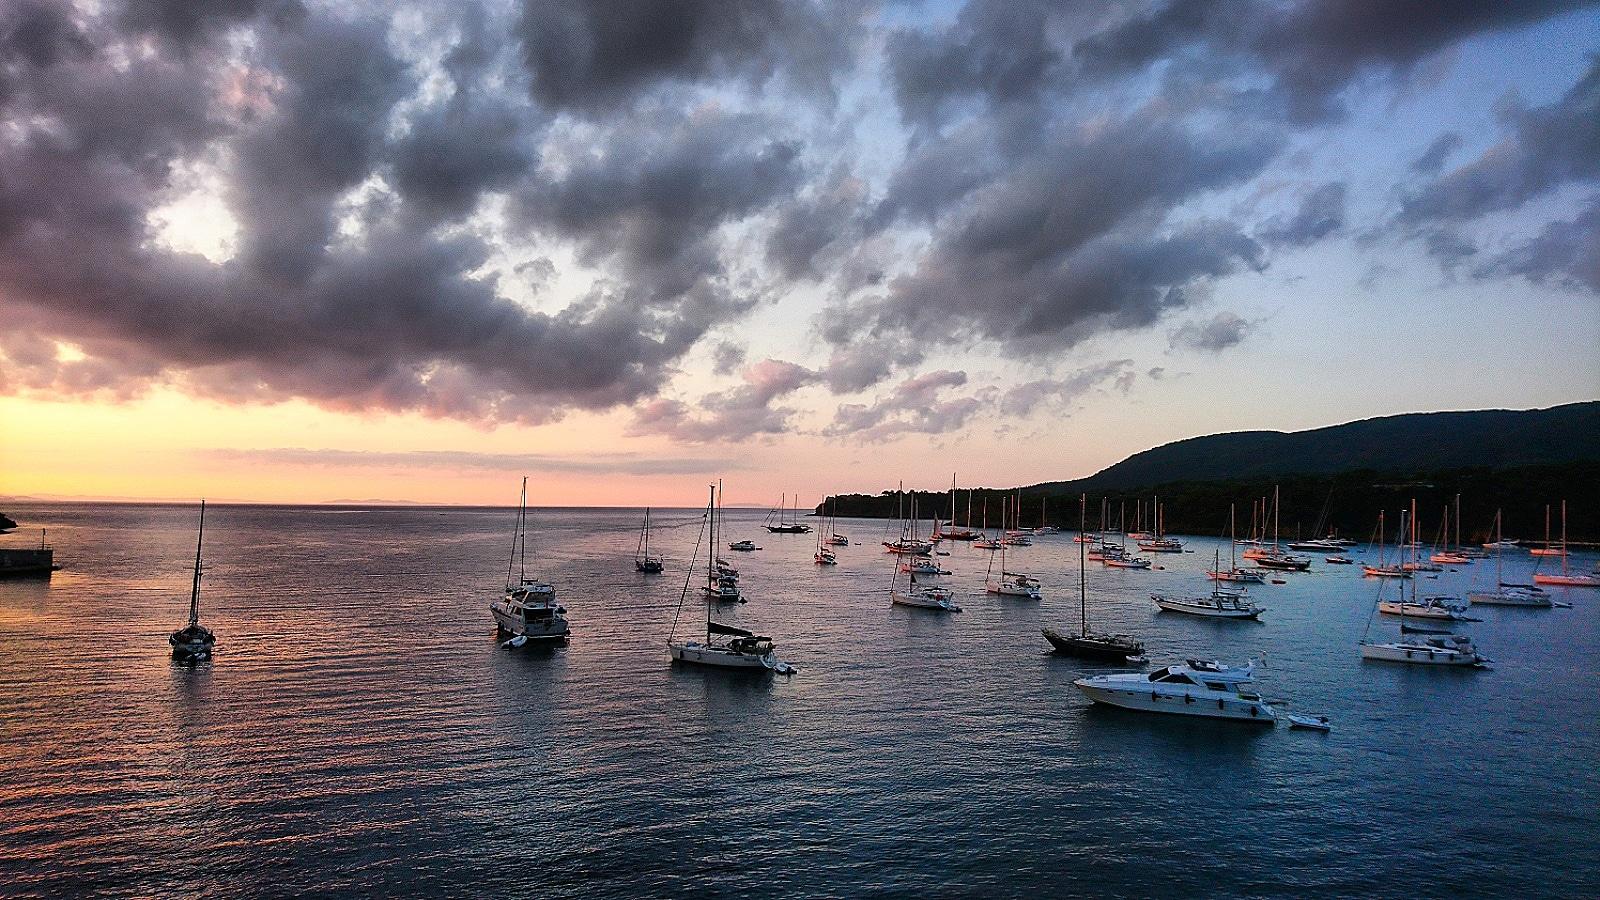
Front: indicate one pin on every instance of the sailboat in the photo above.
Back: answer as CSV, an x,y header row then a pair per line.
x,y
1380,569
1415,564
725,646
1444,553
824,556
1222,604
528,610
1549,549
722,580
1010,584
920,591
1159,542
953,533
642,560
835,539
1234,572
1567,578
1277,558
1506,594
908,543
985,541
194,642
782,525
1085,643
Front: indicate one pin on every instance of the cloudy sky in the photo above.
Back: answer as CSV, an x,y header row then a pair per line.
x,y
305,251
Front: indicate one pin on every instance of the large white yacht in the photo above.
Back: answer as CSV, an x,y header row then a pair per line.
x,y
528,610
1195,688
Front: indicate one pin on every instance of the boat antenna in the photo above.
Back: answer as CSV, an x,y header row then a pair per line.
x,y
194,593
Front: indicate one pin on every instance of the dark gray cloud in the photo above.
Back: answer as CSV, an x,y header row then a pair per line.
x,y
596,54
915,406
1058,394
1213,335
1566,252
1544,147
1311,50
1321,212
1438,153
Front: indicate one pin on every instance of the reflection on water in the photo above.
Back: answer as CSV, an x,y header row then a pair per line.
x,y
360,730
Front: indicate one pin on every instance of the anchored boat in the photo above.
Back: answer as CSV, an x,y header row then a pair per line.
x,y
1202,688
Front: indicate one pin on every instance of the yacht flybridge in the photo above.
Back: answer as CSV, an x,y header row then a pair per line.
x,y
1195,688
1084,643
194,642
724,646
528,610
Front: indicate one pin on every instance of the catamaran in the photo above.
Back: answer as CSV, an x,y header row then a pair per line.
x,y
642,560
528,610
1085,643
194,642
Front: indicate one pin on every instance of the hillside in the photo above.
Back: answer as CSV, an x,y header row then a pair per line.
x,y
1338,477
1415,442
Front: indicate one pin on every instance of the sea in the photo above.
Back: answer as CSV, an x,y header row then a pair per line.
x,y
361,731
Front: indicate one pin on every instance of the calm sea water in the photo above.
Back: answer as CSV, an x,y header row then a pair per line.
x,y
360,731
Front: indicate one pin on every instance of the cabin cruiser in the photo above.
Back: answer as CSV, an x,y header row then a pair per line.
x,y
1438,650
1220,605
728,647
1194,688
529,611
1318,545
1381,571
743,546
1452,608
1015,585
1339,560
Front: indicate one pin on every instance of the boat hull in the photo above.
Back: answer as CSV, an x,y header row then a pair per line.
x,y
1091,648
510,623
1568,580
1417,611
918,602
1210,612
719,657
1156,701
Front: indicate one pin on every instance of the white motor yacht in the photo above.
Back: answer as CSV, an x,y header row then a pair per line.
x,y
743,546
1220,605
1195,688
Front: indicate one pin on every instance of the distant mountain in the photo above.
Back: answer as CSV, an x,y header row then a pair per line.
x,y
1421,442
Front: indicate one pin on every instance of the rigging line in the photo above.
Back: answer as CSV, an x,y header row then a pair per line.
x,y
687,577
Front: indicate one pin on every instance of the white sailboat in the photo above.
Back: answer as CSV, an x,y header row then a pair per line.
x,y
1234,573
528,610
1009,584
1566,578
194,642
724,646
1221,604
722,580
1420,647
1505,594
642,560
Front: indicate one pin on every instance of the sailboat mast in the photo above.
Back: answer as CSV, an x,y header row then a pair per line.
x,y
1563,537
1233,543
1083,588
194,592
522,540
1458,522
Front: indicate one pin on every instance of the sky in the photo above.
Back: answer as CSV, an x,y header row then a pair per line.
x,y
285,251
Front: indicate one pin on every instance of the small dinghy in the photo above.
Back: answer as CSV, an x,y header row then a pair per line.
x,y
1310,723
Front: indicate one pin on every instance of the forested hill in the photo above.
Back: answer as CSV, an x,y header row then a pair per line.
x,y
1337,478
1415,442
